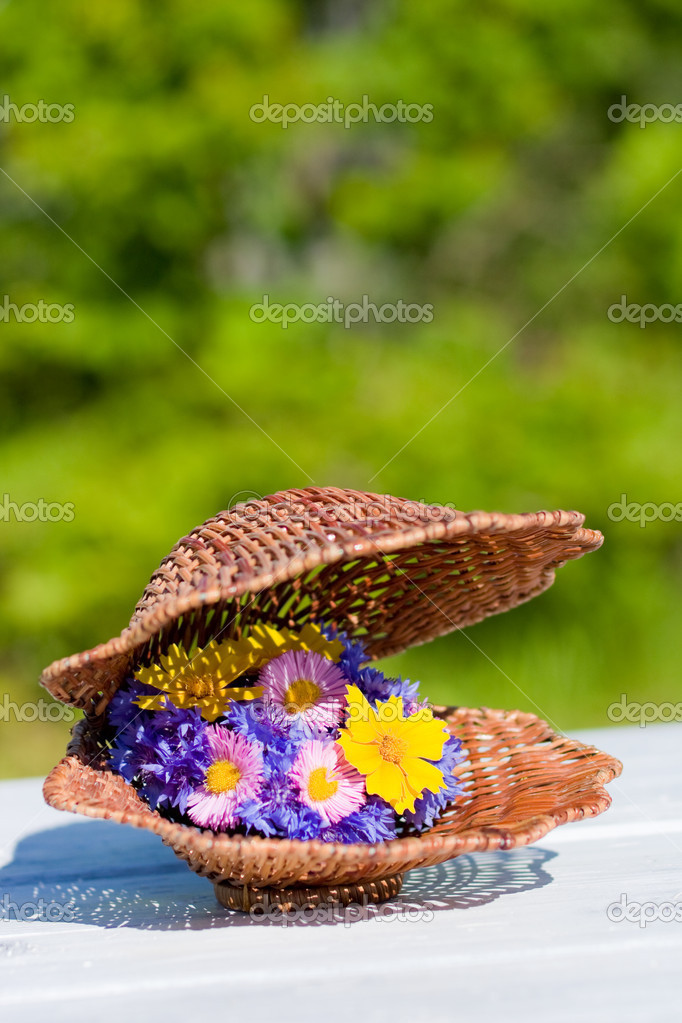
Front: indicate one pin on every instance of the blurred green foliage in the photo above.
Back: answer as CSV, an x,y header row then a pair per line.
x,y
163,190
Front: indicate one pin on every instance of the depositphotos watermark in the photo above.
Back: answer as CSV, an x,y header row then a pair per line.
x,y
643,714
396,910
335,111
643,913
28,113
632,312
51,912
263,711
330,515
36,710
643,114
333,310
632,511
35,511
32,312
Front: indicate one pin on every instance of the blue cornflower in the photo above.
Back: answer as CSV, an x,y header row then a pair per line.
x,y
278,810
258,719
374,822
122,708
164,753
353,655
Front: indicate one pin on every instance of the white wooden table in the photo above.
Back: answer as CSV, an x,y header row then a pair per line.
x,y
500,937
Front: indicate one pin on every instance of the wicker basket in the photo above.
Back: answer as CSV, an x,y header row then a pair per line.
x,y
396,573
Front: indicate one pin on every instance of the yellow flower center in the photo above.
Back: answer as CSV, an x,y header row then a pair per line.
x,y
300,695
320,788
222,776
201,687
392,748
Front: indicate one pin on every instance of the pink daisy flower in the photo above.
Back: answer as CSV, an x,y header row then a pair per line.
x,y
305,688
233,775
326,782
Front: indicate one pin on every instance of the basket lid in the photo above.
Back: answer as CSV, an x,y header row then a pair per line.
x,y
393,571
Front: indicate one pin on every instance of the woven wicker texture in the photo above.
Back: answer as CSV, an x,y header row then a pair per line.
x,y
397,572
521,780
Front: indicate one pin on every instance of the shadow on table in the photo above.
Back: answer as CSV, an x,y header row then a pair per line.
x,y
100,874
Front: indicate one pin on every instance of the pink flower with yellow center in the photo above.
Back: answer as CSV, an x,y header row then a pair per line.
x,y
303,687
233,776
326,782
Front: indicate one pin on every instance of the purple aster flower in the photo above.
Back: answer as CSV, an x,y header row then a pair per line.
x,y
304,688
326,782
233,777
431,805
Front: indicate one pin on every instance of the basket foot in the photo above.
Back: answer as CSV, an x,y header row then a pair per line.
x,y
287,900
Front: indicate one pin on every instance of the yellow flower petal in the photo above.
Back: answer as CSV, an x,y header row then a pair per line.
x,y
391,710
267,642
363,731
154,675
175,660
405,802
360,709
244,692
313,638
362,718
421,775
388,781
151,701
211,711
363,756
425,738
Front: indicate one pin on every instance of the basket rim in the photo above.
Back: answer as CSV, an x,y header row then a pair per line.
x,y
383,535
399,854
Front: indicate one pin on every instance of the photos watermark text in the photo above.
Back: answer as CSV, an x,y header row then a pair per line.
x,y
36,511
335,111
395,911
633,312
40,111
644,113
633,511
51,912
34,710
644,913
333,310
36,312
643,714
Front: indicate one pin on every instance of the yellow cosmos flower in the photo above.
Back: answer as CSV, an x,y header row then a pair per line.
x,y
393,751
205,679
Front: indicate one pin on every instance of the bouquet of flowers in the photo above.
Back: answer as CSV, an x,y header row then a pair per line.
x,y
283,733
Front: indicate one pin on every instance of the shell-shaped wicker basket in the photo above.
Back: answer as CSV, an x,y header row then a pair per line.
x,y
396,573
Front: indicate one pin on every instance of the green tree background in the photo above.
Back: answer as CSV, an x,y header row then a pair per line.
x,y
162,212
